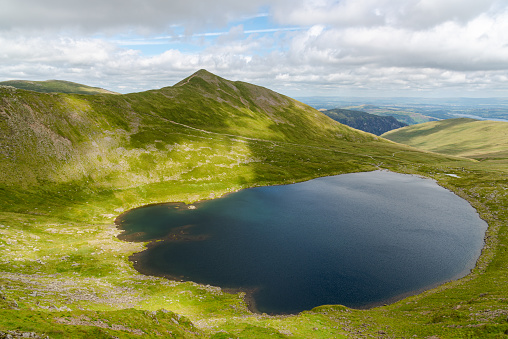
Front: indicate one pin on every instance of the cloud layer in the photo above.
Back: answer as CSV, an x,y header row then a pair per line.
x,y
320,47
113,16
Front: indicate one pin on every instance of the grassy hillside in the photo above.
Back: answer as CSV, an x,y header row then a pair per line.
x,y
462,137
363,121
55,86
124,141
70,164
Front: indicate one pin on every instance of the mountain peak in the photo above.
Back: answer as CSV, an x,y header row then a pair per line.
x,y
201,74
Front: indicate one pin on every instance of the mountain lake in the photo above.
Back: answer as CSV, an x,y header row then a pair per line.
x,y
358,240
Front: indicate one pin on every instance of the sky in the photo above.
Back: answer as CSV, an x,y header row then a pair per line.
x,y
374,48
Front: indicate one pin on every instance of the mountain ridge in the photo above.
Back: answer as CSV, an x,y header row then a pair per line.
x,y
55,86
66,129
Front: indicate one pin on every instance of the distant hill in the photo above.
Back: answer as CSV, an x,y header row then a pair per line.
x,y
407,116
363,121
55,86
462,137
418,110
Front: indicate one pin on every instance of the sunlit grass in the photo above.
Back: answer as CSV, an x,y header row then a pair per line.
x,y
461,137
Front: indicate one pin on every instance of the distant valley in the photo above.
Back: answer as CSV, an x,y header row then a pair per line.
x,y
367,122
418,110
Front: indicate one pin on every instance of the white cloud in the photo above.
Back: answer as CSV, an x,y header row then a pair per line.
x,y
334,13
113,16
478,45
410,14
427,13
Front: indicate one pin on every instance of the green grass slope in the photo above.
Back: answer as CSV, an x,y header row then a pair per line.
x,y
124,141
462,137
70,164
55,86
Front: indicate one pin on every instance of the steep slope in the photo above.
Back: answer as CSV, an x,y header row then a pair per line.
x,y
102,136
462,137
363,121
55,86
205,100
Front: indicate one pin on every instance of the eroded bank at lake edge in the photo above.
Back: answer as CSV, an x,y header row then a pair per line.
x,y
342,269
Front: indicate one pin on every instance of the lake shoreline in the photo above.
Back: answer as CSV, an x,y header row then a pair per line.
x,y
138,262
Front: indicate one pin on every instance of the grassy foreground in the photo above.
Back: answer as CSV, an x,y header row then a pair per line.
x,y
70,164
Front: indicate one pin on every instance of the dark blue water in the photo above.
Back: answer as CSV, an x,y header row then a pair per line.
x,y
352,239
